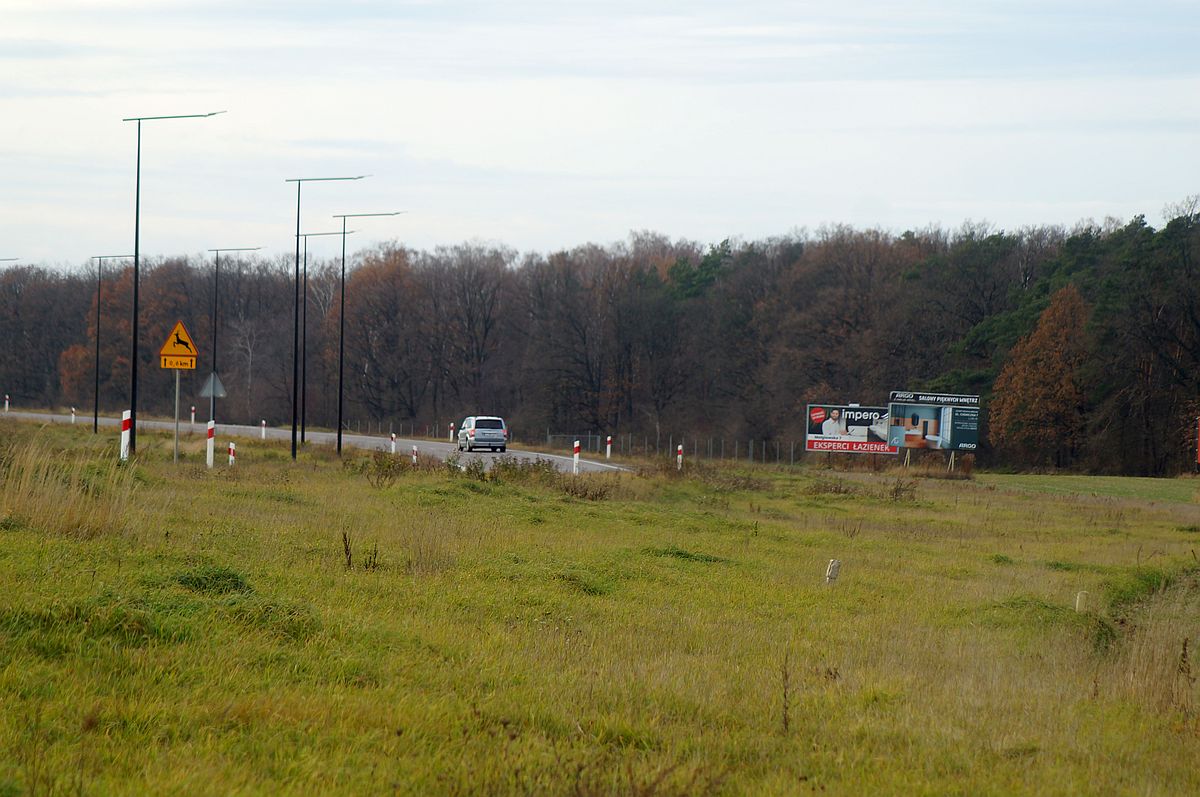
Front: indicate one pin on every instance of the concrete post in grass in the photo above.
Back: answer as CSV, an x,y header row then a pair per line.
x,y
1081,601
212,441
831,572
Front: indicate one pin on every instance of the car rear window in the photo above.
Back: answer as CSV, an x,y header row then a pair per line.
x,y
489,423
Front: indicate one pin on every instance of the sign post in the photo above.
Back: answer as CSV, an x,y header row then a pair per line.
x,y
178,353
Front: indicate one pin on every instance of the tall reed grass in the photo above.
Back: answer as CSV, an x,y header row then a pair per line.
x,y
68,493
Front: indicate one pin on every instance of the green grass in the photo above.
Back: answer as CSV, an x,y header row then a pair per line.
x,y
170,630
1179,490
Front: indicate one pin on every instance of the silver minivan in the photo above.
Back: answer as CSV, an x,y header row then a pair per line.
x,y
483,431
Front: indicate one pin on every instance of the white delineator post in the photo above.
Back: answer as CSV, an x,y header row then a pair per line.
x,y
193,415
212,431
393,442
608,448
263,428
575,460
414,454
232,452
451,427
72,416
6,402
126,423
679,457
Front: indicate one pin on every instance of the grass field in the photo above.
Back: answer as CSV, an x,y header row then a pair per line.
x,y
321,628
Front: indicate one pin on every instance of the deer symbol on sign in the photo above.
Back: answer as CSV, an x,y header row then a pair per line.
x,y
181,342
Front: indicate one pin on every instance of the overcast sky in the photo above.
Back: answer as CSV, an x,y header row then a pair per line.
x,y
549,123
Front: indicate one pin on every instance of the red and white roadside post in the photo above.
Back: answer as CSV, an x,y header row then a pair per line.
x,y
575,460
608,448
193,426
451,426
263,429
414,455
126,423
679,457
6,402
72,416
393,442
212,433
232,452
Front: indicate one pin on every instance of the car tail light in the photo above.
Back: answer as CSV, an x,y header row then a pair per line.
x,y
471,433
505,434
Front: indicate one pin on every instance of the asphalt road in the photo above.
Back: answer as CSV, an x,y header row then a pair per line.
x,y
403,445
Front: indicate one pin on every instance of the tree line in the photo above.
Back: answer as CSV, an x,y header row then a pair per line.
x,y
1084,342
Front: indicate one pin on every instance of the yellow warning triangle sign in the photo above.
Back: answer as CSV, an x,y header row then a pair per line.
x,y
179,343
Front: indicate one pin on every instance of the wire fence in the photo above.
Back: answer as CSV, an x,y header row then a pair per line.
x,y
778,452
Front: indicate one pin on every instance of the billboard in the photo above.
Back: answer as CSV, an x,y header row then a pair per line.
x,y
847,428
936,421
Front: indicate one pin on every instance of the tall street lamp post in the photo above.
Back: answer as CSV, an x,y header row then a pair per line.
x,y
137,208
299,181
342,313
304,334
213,380
96,388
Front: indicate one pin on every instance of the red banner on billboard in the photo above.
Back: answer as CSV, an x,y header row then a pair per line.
x,y
851,446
